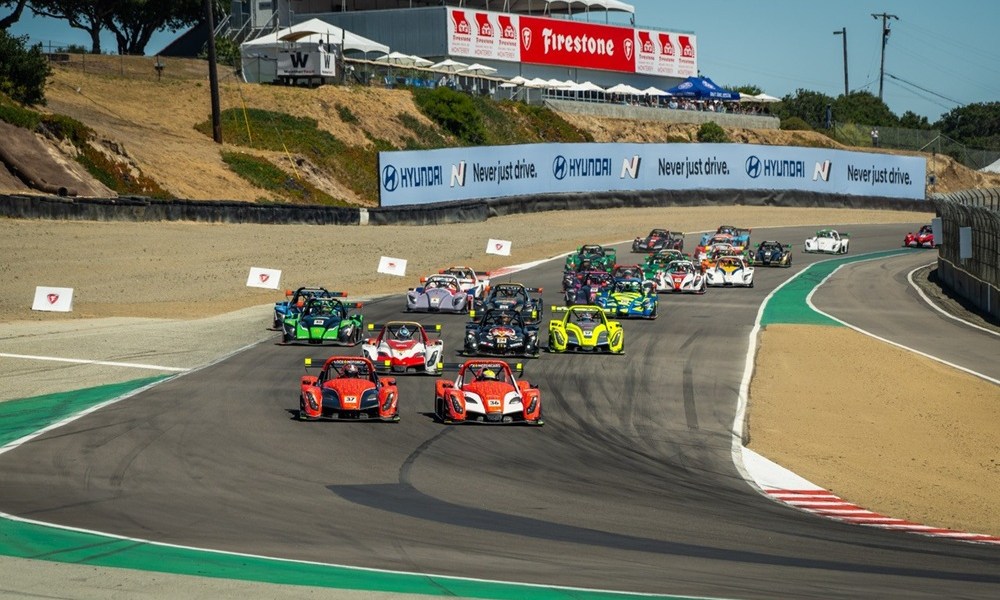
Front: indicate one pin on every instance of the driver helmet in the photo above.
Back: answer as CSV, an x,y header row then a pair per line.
x,y
351,370
488,374
403,333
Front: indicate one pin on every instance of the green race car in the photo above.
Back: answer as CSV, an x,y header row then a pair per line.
x,y
324,321
585,328
591,257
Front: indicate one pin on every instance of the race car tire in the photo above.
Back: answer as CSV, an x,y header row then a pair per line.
x,y
285,337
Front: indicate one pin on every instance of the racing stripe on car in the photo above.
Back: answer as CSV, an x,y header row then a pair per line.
x,y
828,504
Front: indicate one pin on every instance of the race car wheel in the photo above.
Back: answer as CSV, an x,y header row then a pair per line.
x,y
285,337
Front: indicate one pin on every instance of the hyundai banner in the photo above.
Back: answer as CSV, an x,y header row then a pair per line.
x,y
448,174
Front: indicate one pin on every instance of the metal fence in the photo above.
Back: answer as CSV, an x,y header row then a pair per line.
x,y
977,277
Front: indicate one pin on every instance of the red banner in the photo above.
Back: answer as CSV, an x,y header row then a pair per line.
x,y
575,44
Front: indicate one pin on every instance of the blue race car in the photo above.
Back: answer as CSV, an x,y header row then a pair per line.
x,y
629,299
297,300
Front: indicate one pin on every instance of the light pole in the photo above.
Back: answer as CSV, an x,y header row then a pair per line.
x,y
843,32
885,38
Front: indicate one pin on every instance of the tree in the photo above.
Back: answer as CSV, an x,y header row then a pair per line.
x,y
15,15
135,21
975,125
863,108
807,105
88,15
22,70
911,120
749,89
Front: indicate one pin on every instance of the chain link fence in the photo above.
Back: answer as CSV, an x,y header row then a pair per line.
x,y
976,277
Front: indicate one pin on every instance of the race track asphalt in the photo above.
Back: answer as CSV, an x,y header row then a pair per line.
x,y
629,486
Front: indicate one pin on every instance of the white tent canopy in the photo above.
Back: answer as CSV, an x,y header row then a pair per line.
x,y
477,69
624,88
448,66
317,31
654,91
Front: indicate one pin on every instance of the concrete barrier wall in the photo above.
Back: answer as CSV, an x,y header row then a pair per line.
x,y
666,115
146,209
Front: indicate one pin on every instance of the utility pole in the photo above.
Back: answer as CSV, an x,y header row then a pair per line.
x,y
843,32
213,75
885,38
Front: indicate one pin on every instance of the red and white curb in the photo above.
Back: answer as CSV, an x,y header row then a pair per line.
x,y
786,487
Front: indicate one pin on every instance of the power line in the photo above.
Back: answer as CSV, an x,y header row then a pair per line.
x,y
932,92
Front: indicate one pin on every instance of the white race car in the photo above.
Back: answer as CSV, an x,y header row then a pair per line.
x,y
829,241
680,277
438,293
474,282
730,271
404,346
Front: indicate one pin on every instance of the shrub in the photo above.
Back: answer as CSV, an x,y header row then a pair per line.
x,y
346,115
454,112
711,132
795,124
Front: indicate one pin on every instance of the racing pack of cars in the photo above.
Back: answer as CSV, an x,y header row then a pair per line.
x,y
503,324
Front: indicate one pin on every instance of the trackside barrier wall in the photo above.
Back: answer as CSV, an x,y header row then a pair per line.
x,y
471,211
976,279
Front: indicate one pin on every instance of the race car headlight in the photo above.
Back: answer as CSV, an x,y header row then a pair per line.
x,y
311,398
388,401
456,405
533,404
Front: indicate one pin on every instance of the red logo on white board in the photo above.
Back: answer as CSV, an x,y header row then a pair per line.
x,y
53,298
264,277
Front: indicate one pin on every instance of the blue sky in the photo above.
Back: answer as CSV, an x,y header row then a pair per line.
x,y
946,47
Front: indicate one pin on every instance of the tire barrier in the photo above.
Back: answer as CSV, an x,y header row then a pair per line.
x,y
133,208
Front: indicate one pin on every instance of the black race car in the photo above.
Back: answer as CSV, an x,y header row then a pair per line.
x,y
501,333
659,239
510,296
770,253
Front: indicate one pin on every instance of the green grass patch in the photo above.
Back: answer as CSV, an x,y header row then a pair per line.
x,y
269,130
264,174
424,136
346,115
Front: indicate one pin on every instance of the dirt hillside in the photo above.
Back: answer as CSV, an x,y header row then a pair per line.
x,y
149,123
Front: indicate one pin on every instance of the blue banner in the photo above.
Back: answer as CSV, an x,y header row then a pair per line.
x,y
450,174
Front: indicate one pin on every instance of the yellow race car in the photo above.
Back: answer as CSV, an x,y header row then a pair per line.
x,y
585,328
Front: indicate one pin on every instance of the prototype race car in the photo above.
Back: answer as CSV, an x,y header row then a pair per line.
x,y
659,239
324,321
598,257
921,239
770,253
713,253
584,288
741,235
404,347
511,296
475,283
296,300
709,240
439,293
486,391
829,241
730,271
656,263
347,388
681,277
630,299
585,328
627,272
501,332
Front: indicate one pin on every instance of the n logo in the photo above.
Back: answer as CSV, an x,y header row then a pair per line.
x,y
822,171
458,174
630,167
299,60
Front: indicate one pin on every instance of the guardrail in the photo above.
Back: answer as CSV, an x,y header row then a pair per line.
x,y
976,278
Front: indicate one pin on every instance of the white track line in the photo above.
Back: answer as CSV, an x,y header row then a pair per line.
x,y
106,363
909,277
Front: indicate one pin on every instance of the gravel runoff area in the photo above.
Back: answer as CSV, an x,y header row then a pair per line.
x,y
173,294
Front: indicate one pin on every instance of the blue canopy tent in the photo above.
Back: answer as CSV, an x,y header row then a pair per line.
x,y
702,88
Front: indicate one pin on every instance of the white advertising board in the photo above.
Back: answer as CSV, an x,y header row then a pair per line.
x,y
264,278
53,299
306,60
425,176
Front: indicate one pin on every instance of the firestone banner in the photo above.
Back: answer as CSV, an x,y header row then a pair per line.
x,y
450,174
560,42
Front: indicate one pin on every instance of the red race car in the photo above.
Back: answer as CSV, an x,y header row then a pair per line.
x,y
486,391
348,388
922,239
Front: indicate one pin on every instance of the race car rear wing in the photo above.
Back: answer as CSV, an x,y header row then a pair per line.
x,y
435,329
